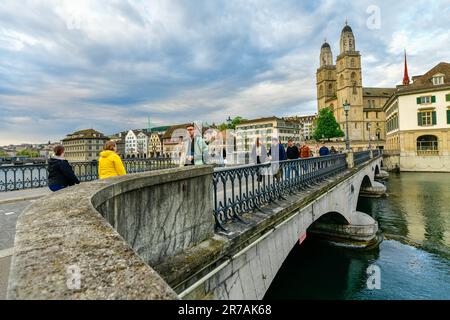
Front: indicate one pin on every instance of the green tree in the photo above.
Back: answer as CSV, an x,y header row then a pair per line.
x,y
327,126
3,154
27,153
234,123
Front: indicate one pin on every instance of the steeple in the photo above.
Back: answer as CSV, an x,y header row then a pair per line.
x,y
406,76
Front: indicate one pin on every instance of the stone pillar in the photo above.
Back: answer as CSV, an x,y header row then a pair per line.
x,y
350,161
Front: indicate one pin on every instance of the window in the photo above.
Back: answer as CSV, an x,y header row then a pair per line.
x,y
352,63
448,116
356,126
426,118
377,114
426,100
447,97
438,79
427,145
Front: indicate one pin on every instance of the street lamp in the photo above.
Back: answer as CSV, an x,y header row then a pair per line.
x,y
369,125
347,109
229,121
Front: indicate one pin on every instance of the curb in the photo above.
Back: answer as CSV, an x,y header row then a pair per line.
x,y
6,253
21,199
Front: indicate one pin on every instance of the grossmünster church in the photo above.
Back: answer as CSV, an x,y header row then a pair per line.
x,y
341,82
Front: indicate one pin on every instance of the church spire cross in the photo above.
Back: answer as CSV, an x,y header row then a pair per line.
x,y
405,75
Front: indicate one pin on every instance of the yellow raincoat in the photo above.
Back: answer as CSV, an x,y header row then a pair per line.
x,y
110,165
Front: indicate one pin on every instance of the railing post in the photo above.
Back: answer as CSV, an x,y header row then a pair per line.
x,y
371,154
350,160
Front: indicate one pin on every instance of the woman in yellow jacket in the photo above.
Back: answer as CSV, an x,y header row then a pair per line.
x,y
110,165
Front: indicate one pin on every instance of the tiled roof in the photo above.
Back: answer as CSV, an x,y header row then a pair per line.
x,y
426,79
378,92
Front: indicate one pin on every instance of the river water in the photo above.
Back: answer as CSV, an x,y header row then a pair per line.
x,y
413,260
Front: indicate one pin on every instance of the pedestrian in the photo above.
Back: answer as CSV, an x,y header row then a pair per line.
x,y
259,155
292,153
195,148
333,150
60,173
324,151
110,165
305,152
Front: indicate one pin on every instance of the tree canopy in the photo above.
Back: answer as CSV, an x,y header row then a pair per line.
x,y
28,153
234,123
327,126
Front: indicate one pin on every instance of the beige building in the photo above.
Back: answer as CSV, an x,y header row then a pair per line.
x,y
418,122
155,145
265,129
306,125
84,145
342,83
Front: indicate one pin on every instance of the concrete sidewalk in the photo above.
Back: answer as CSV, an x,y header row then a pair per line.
x,y
22,195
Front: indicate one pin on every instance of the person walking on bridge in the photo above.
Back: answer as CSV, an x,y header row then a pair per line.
x,y
110,165
60,173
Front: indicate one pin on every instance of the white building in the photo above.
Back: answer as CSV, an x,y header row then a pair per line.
x,y
266,129
418,122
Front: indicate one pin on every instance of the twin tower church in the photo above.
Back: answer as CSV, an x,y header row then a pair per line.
x,y
341,82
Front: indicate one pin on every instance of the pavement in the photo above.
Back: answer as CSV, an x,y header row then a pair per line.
x,y
21,195
12,204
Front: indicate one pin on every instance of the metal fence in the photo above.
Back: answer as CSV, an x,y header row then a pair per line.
x,y
246,188
21,177
361,157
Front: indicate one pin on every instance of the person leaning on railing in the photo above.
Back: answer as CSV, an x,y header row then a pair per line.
x,y
110,165
60,173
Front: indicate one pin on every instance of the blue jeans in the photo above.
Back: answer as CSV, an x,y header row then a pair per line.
x,y
56,187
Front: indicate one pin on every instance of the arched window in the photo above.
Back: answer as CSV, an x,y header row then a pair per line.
x,y
330,89
427,145
320,91
352,63
329,75
341,80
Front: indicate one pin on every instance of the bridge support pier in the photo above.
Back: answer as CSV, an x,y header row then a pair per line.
x,y
361,233
383,175
377,190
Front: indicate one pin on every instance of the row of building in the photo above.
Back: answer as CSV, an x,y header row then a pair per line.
x,y
86,145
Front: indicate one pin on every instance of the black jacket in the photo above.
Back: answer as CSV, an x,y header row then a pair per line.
x,y
60,173
293,153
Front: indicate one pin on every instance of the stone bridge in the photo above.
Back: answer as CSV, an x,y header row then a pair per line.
x,y
153,235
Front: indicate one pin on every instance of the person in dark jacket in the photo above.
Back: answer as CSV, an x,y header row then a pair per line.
x,y
292,153
60,173
324,151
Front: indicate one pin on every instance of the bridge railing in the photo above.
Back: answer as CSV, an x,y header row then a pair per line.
x,y
21,177
247,188
376,153
361,157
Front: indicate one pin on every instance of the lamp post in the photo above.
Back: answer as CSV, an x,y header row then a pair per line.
x,y
346,109
229,121
369,125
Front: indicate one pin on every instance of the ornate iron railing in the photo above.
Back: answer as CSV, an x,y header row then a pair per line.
x,y
21,177
376,153
361,157
247,188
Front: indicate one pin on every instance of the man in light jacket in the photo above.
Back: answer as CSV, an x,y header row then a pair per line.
x,y
195,148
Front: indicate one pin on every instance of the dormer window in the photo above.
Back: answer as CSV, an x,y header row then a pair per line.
x,y
438,79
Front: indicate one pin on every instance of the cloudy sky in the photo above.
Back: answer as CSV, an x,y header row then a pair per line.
x,y
110,64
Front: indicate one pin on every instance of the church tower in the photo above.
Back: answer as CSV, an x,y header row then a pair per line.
x,y
349,85
326,77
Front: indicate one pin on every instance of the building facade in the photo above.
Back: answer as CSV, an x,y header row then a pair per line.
x,y
418,122
306,125
341,83
84,145
266,129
